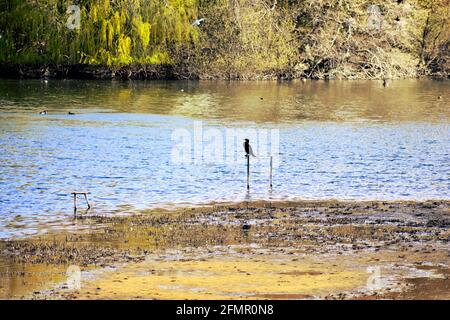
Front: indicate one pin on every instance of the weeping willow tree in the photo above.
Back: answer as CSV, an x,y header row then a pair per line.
x,y
111,32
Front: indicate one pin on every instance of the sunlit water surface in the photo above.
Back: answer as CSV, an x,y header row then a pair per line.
x,y
342,140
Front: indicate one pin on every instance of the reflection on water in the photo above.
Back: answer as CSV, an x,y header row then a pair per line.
x,y
407,100
338,139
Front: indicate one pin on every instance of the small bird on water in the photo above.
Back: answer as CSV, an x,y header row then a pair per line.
x,y
44,112
70,113
248,148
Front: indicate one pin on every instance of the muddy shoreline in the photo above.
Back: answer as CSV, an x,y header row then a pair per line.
x,y
263,250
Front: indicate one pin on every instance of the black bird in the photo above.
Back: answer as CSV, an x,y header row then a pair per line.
x,y
44,112
70,113
248,148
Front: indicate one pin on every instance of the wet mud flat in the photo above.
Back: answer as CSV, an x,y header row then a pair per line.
x,y
262,250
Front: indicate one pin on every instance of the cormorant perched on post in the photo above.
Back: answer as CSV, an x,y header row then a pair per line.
x,y
248,148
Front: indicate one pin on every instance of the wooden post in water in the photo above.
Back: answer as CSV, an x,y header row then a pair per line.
x,y
270,172
74,201
87,201
248,171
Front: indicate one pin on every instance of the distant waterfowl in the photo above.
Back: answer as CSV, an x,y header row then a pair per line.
x,y
70,113
248,148
44,112
439,97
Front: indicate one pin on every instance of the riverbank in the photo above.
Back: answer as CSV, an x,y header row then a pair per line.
x,y
161,72
89,72
288,250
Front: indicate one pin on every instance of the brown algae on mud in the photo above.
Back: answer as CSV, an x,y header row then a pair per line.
x,y
250,272
282,249
19,280
223,277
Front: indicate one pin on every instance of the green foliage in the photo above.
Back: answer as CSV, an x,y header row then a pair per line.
x,y
239,38
112,32
243,39
435,36
320,39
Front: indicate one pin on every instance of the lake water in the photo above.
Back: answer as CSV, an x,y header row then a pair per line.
x,y
337,139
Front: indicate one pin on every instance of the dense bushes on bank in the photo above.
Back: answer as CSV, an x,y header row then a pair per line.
x,y
238,39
